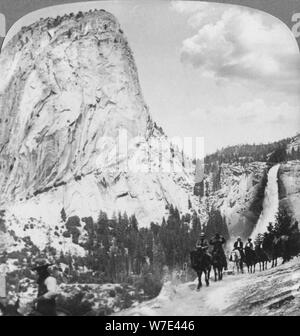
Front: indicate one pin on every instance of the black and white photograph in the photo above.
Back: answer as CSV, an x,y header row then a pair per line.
x,y
149,158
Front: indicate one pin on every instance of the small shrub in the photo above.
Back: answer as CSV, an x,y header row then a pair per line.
x,y
76,304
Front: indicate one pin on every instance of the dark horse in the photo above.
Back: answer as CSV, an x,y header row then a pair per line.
x,y
201,263
218,263
250,259
261,257
280,248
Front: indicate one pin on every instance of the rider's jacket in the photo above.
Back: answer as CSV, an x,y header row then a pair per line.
x,y
249,245
46,306
203,244
239,245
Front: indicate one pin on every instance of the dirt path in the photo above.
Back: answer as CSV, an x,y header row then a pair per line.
x,y
272,292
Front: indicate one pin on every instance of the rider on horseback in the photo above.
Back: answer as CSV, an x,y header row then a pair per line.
x,y
239,245
202,243
249,245
217,243
201,260
45,303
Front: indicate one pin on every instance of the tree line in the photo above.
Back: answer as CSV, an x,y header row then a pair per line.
x,y
274,152
283,226
118,249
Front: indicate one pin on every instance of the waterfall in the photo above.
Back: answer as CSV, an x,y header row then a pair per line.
x,y
270,203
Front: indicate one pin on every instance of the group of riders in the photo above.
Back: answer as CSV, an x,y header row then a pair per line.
x,y
201,261
250,254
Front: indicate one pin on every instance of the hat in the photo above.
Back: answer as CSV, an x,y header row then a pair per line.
x,y
202,234
41,263
249,238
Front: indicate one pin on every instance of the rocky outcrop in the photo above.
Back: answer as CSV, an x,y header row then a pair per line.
x,y
67,88
240,196
289,187
75,133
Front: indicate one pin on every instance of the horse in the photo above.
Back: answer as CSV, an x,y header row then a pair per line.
x,y
250,259
236,258
261,257
218,263
201,263
280,248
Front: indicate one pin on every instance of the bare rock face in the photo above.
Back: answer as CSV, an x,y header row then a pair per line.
x,y
66,87
239,196
289,187
69,87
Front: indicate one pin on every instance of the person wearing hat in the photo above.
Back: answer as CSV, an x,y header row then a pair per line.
x,y
202,243
45,303
238,244
217,243
249,244
201,251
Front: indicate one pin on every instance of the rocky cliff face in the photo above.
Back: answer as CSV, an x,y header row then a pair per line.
x,y
66,87
69,88
289,187
239,196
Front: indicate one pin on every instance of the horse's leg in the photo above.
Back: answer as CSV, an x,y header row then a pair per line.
x,y
208,272
207,277
215,271
199,280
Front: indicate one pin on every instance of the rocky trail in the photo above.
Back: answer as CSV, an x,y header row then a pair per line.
x,y
275,291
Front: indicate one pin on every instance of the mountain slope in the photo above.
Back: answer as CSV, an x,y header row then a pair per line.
x,y
76,136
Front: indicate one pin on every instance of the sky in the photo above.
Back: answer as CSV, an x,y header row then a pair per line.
x,y
226,73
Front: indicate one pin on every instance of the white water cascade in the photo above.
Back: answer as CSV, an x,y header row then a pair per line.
x,y
270,203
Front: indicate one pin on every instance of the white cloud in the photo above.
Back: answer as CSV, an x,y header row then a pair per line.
x,y
232,42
